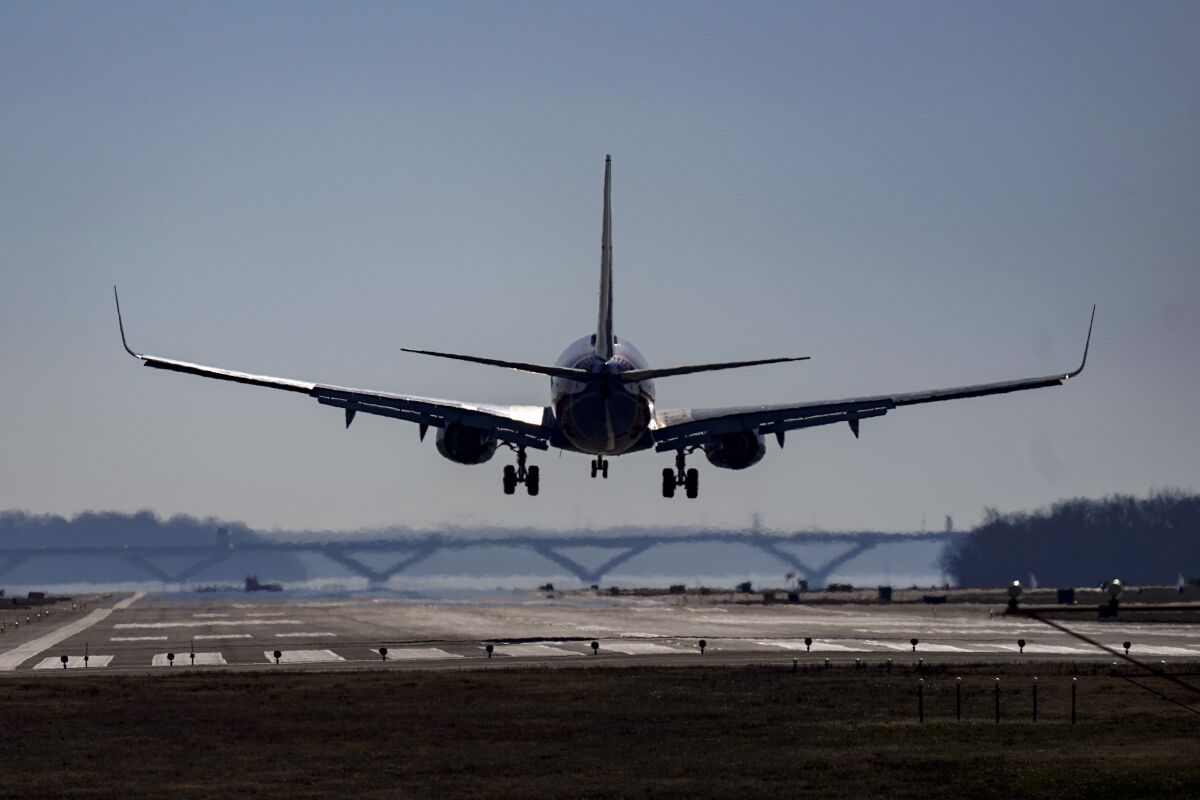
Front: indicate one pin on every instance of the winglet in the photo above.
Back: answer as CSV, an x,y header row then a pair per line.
x,y
1086,344
121,324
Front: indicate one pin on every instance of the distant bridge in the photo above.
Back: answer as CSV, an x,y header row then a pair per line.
x,y
407,552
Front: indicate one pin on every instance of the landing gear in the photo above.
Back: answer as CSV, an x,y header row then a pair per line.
x,y
530,476
600,465
689,479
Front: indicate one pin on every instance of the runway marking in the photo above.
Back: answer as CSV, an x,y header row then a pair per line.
x,y
640,648
265,614
184,660
199,636
1162,650
207,623
881,645
138,639
302,634
1044,649
931,647
23,652
128,601
415,653
532,650
303,656
73,662
210,616
817,646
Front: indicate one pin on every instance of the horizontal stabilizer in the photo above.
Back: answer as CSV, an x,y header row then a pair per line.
x,y
570,373
635,375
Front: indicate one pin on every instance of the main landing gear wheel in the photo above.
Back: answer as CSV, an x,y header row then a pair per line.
x,y
600,466
689,479
530,476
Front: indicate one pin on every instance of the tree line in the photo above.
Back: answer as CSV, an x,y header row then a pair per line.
x,y
1083,542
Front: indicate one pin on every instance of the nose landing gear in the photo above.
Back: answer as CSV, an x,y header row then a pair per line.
x,y
530,476
600,465
689,479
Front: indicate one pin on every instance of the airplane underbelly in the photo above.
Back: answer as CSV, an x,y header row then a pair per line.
x,y
610,424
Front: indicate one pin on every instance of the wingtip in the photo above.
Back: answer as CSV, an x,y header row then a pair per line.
x,y
121,323
1087,343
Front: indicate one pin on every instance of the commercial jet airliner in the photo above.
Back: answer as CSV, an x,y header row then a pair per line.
x,y
602,403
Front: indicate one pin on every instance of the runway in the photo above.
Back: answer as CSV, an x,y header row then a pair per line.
x,y
136,633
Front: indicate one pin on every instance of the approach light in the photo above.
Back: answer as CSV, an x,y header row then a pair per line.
x,y
1115,588
1021,644
1126,645
1014,590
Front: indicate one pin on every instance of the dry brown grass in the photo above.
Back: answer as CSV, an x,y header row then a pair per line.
x,y
593,732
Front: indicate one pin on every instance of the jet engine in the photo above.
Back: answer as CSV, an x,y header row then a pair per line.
x,y
464,444
735,450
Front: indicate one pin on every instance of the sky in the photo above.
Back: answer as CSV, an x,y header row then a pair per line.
x,y
916,195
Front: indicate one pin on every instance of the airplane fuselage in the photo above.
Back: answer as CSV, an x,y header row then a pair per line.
x,y
602,417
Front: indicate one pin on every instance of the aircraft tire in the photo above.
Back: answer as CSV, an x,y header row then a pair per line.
x,y
668,482
533,481
691,483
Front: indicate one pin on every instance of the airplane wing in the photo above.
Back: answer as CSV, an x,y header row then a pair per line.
x,y
686,428
529,426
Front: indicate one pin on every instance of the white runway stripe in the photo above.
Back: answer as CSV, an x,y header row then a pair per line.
x,y
207,623
303,656
73,662
933,647
818,646
138,639
641,648
301,634
416,653
184,660
875,644
1162,650
210,636
1036,649
210,616
23,652
532,650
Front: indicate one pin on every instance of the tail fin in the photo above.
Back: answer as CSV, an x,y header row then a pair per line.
x,y
604,326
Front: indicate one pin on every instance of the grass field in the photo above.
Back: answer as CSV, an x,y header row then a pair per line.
x,y
729,732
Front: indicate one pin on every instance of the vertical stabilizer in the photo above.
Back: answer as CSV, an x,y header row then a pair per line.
x,y
604,326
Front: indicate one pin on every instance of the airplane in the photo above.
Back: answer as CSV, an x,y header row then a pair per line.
x,y
602,403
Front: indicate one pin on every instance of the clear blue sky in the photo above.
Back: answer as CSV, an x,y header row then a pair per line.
x,y
917,195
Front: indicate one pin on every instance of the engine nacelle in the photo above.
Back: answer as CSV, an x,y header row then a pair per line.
x,y
736,450
465,445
